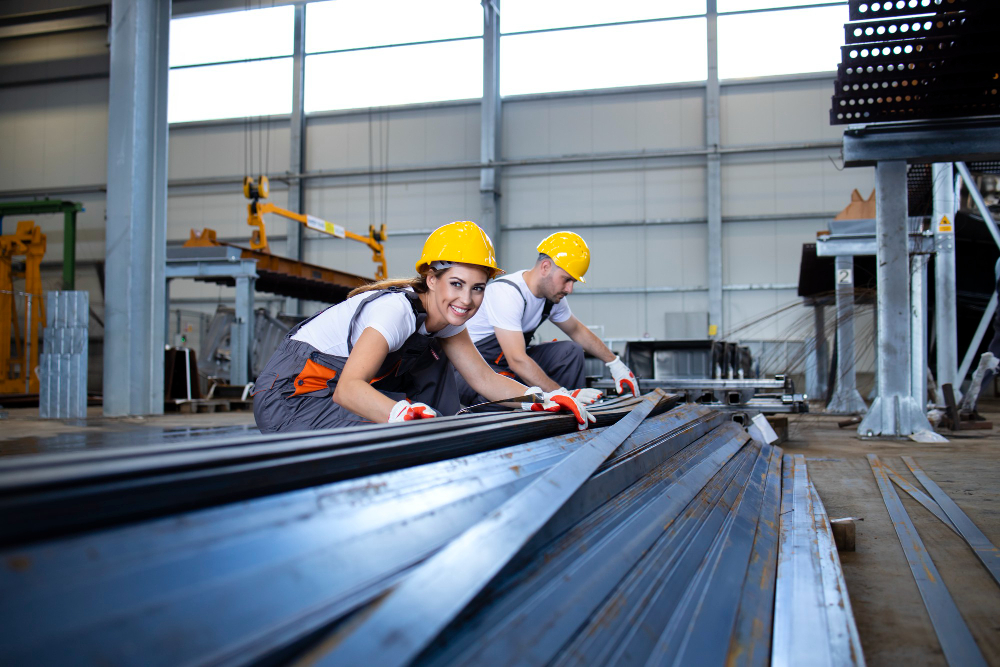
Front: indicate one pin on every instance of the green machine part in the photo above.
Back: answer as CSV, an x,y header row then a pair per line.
x,y
69,209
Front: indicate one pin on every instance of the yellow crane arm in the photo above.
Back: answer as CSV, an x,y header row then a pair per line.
x,y
258,239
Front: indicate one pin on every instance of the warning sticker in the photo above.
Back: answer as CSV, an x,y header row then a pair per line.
x,y
944,225
320,225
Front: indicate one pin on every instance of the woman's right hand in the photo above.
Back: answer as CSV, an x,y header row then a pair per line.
x,y
405,411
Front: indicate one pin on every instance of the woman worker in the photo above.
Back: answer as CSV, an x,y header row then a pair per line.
x,y
385,354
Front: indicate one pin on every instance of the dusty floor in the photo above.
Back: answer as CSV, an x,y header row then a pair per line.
x,y
892,621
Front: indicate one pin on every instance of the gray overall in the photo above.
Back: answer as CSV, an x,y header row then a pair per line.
x,y
294,391
560,360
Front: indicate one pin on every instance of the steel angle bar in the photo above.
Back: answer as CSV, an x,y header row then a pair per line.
x,y
844,642
653,443
705,618
661,580
800,622
953,634
545,602
750,644
242,581
921,497
985,550
48,501
417,610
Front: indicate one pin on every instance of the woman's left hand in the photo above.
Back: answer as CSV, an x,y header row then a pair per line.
x,y
560,400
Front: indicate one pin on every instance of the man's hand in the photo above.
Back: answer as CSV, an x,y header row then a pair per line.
x,y
585,396
624,379
405,411
559,401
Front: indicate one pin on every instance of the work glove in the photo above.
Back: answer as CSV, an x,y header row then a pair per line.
x,y
405,411
624,380
558,401
585,396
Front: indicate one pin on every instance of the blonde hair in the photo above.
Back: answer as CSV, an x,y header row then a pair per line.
x,y
418,283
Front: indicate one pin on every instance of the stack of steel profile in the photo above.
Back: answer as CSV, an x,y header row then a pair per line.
x,y
63,363
488,538
917,60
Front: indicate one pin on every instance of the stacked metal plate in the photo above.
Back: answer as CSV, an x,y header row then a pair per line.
x,y
63,363
917,60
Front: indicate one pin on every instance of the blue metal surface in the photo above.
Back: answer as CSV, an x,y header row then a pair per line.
x,y
417,610
956,640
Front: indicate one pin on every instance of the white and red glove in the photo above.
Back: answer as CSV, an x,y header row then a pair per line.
x,y
559,401
585,396
405,411
624,380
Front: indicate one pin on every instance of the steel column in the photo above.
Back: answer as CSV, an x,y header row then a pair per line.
x,y
241,333
713,175
817,363
945,309
135,245
846,398
918,328
894,412
490,120
296,162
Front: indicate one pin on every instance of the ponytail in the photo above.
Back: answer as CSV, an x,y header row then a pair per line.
x,y
418,284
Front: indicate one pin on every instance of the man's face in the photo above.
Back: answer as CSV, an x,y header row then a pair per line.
x,y
555,282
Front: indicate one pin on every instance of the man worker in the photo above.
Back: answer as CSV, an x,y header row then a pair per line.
x,y
516,304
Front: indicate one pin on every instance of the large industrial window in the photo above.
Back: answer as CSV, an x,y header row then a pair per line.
x,y
363,53
787,41
639,52
231,65
523,15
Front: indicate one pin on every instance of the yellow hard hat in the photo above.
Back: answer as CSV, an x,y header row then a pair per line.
x,y
461,242
569,252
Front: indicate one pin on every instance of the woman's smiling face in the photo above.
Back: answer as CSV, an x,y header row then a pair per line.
x,y
455,295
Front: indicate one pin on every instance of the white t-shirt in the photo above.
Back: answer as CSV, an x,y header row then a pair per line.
x,y
503,308
391,315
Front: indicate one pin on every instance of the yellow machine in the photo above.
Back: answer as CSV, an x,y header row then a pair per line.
x,y
28,241
256,190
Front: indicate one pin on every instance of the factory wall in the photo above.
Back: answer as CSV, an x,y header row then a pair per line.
x,y
644,219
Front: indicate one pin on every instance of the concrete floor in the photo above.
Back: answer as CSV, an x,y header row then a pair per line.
x,y
892,621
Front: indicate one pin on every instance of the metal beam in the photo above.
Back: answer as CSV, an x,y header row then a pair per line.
x,y
424,603
134,303
945,299
846,399
713,142
976,139
296,161
956,641
918,329
977,198
894,412
490,124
